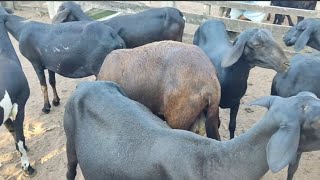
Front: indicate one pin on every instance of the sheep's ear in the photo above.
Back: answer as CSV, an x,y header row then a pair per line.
x,y
264,101
283,146
307,93
236,52
9,10
303,39
61,16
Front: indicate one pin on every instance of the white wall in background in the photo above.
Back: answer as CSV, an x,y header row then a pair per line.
x,y
53,7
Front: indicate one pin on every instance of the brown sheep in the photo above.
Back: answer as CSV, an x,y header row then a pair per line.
x,y
172,79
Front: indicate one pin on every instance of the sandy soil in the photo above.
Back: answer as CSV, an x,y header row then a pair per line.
x,y
46,139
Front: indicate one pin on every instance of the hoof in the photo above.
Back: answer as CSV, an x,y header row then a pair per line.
x,y
30,172
46,110
56,103
71,176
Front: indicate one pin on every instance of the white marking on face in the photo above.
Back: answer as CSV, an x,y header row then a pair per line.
x,y
184,18
65,48
24,158
6,105
56,49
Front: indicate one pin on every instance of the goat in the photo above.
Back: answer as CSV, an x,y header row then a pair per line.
x,y
174,80
148,26
304,33
279,18
74,50
303,75
252,47
118,138
14,93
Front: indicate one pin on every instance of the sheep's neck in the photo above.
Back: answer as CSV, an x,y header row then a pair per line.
x,y
222,47
15,25
237,74
6,49
233,81
314,43
233,76
245,156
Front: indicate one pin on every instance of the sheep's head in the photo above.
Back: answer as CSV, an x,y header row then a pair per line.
x,y
70,11
116,42
209,30
258,48
4,11
299,35
298,121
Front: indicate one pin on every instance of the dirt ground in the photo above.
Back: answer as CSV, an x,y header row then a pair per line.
x,y
46,139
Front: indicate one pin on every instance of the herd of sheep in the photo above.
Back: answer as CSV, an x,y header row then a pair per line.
x,y
151,90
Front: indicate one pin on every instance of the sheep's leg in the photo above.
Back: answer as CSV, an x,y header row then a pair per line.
x,y
10,127
300,18
269,17
290,20
213,123
233,117
276,17
72,159
228,12
182,113
42,78
293,166
281,19
20,143
52,81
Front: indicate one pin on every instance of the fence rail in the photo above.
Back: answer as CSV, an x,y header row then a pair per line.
x,y
266,9
191,18
235,25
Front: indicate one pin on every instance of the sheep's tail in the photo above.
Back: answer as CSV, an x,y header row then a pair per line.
x,y
273,87
213,120
207,122
183,17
